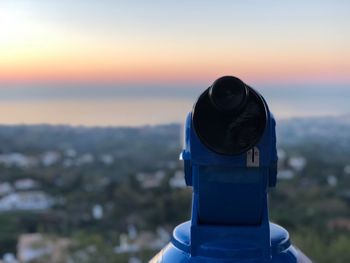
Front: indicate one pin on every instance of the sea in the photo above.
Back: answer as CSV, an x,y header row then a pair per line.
x,y
136,106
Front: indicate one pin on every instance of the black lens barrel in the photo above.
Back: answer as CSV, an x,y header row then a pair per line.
x,y
229,117
228,94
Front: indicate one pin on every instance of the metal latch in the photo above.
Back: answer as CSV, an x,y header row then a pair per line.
x,y
253,157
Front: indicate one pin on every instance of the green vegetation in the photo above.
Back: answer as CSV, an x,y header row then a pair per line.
x,y
126,172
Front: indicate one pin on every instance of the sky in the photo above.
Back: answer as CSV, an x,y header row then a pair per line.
x,y
66,51
174,41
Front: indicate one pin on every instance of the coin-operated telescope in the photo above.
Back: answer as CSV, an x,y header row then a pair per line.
x,y
230,160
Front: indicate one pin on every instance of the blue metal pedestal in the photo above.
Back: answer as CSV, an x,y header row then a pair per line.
x,y
178,250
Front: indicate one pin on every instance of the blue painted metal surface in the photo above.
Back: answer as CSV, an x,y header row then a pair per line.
x,y
230,221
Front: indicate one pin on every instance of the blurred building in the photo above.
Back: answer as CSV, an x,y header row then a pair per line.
x,y
30,200
26,184
178,180
32,247
150,180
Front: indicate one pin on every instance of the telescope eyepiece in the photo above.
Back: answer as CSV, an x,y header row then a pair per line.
x,y
229,94
229,117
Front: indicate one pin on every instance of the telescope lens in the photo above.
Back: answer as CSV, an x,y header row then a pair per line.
x,y
228,94
229,117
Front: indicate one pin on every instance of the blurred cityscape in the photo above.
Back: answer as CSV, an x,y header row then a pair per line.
x,y
78,194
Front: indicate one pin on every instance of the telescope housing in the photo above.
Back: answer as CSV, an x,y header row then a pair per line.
x,y
230,161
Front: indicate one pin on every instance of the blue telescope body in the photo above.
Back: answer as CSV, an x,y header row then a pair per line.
x,y
230,160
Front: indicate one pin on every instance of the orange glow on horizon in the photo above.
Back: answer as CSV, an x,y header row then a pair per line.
x,y
35,50
138,73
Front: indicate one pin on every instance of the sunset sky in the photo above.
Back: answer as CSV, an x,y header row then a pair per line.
x,y
55,45
179,41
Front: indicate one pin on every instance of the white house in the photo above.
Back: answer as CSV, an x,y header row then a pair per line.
x,y
297,163
50,158
30,200
178,180
25,184
17,160
150,180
